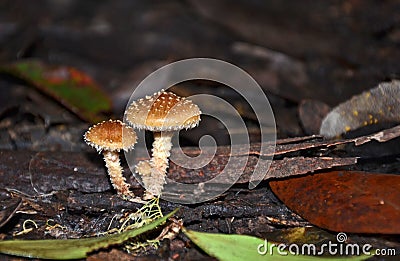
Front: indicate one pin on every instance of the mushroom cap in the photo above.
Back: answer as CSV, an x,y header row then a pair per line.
x,y
163,111
112,135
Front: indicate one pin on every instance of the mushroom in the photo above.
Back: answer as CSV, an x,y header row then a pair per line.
x,y
163,113
110,137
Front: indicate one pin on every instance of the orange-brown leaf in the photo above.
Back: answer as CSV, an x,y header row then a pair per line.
x,y
346,201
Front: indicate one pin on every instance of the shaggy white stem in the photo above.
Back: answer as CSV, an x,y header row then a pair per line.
x,y
161,150
144,169
160,161
115,172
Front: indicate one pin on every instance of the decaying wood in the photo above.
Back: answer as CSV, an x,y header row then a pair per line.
x,y
278,169
68,185
289,145
381,136
9,206
43,172
49,172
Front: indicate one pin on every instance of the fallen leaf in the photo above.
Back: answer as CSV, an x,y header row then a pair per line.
x,y
71,248
243,247
344,201
73,88
380,104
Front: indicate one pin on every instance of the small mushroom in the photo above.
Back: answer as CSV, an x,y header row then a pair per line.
x,y
106,137
163,113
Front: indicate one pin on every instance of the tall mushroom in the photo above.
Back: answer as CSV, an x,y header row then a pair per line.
x,y
110,137
163,113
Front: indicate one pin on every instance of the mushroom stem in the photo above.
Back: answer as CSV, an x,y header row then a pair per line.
x,y
145,171
160,160
114,168
161,150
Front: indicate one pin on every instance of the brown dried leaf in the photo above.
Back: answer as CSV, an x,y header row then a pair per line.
x,y
345,201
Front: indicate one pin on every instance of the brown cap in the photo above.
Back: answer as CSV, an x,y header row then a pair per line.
x,y
111,135
163,111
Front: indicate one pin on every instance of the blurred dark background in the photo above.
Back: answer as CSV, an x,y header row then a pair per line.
x,y
326,51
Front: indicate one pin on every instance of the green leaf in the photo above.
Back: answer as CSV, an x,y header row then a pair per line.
x,y
69,86
242,247
71,248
